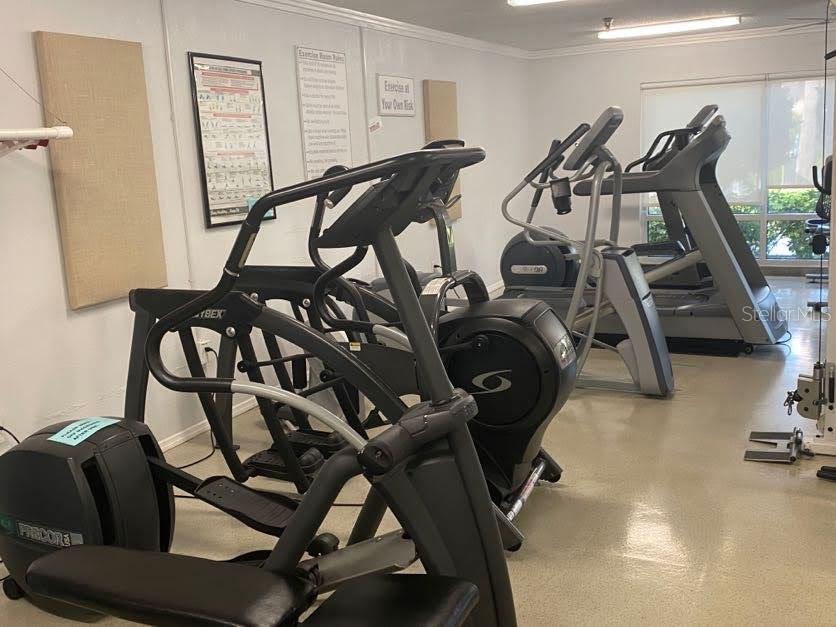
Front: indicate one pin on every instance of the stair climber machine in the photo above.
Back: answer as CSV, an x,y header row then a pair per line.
x,y
589,279
815,394
88,511
725,305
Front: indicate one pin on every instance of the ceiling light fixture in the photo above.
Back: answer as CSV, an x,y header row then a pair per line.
x,y
667,28
526,3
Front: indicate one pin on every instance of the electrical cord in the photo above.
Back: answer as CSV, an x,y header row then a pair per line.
x,y
207,349
13,436
202,459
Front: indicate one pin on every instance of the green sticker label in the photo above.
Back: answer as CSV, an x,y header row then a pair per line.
x,y
76,432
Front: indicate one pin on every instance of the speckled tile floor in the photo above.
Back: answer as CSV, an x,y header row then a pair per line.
x,y
657,519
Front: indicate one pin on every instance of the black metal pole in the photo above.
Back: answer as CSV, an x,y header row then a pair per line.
x,y
433,375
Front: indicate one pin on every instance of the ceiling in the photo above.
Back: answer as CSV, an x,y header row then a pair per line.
x,y
572,22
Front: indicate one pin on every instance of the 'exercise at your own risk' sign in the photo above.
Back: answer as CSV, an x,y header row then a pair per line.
x,y
395,95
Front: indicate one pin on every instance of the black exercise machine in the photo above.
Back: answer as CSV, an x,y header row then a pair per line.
x,y
424,468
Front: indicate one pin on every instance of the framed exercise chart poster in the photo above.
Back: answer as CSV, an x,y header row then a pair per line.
x,y
233,143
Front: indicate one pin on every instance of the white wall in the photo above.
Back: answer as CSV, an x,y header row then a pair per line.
x,y
577,88
256,32
493,113
60,364
63,364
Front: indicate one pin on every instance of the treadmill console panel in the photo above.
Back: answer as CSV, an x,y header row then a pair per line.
x,y
598,135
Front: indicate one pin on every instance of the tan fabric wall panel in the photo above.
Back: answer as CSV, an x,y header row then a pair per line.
x,y
441,120
104,178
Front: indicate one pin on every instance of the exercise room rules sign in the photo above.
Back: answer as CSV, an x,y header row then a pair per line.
x,y
323,105
395,95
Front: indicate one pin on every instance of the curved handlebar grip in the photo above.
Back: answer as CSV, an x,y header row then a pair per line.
x,y
245,239
557,152
544,175
444,143
168,322
816,183
823,184
337,196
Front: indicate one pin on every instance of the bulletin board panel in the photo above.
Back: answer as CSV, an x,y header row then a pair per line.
x,y
441,121
104,178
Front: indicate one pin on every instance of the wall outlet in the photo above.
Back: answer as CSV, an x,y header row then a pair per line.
x,y
202,345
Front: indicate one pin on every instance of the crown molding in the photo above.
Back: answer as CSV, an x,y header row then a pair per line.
x,y
682,40
320,10
311,8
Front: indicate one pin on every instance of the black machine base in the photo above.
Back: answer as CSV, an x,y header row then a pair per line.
x,y
690,345
270,463
544,468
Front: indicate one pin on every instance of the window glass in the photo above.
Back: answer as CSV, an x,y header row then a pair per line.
x,y
656,231
797,131
752,234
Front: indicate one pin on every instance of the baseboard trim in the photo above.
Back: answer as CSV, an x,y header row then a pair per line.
x,y
495,289
201,427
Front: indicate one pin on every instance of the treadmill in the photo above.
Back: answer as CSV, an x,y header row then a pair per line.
x,y
679,238
735,310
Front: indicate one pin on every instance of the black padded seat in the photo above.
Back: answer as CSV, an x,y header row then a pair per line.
x,y
403,600
168,589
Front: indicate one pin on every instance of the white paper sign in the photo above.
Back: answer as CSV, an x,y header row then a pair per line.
x,y
395,95
323,109
375,124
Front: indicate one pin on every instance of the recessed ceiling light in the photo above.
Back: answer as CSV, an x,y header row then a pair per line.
x,y
668,28
525,3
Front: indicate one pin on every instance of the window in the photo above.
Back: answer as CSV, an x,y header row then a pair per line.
x,y
778,133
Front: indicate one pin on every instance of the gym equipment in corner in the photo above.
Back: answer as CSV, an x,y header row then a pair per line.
x,y
424,467
738,311
585,280
815,394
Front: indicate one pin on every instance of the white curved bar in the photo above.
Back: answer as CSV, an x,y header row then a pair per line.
x,y
303,404
35,134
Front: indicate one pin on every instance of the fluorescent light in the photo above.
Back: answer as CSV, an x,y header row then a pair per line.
x,y
668,28
526,3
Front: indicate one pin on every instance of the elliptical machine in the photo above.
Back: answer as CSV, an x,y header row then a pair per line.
x,y
544,263
70,486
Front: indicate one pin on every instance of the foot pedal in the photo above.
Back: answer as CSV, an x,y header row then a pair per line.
x,y
270,463
263,511
788,446
326,442
511,536
553,471
387,553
